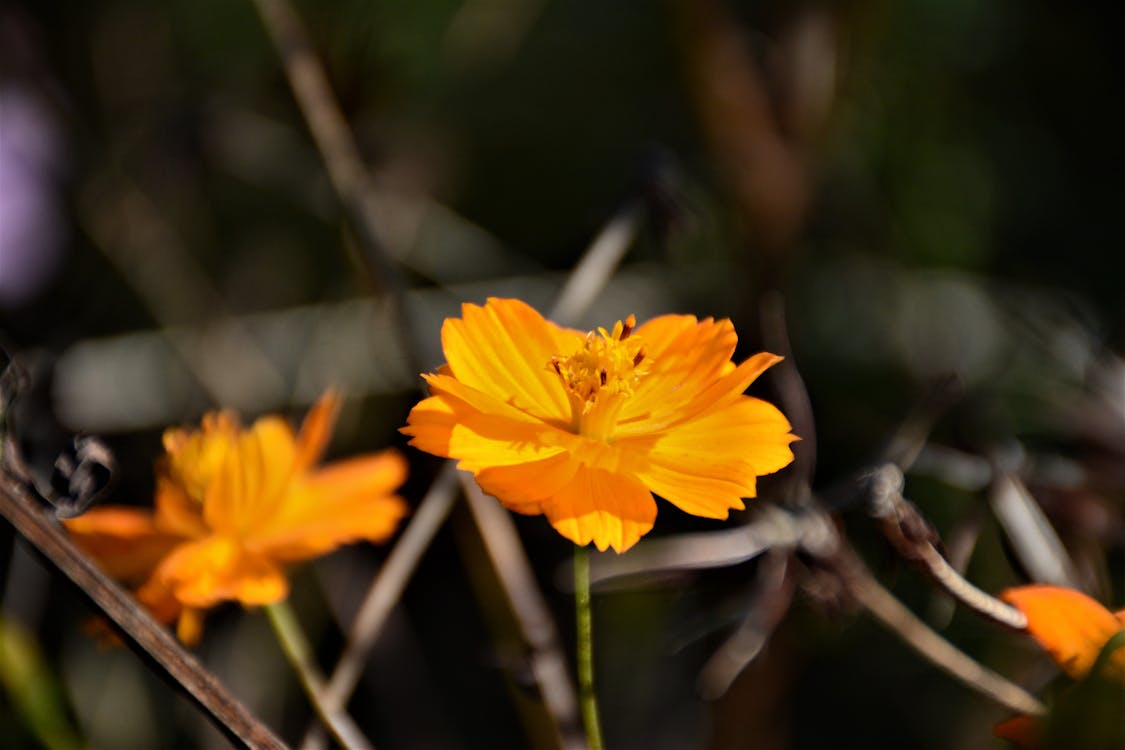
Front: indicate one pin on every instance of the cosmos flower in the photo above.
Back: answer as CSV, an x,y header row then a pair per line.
x,y
233,506
1070,626
585,427
1074,630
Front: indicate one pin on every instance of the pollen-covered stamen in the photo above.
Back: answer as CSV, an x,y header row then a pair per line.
x,y
608,363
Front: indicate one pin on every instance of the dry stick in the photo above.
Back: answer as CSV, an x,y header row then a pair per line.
x,y
769,603
384,594
914,632
126,226
597,265
545,658
38,526
336,144
912,537
791,387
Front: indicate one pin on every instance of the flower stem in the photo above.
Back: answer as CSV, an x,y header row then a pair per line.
x,y
586,695
299,653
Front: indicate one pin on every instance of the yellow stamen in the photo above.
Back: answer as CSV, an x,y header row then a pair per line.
x,y
601,375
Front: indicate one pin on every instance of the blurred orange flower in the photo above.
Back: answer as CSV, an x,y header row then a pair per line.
x,y
584,427
1074,630
1070,626
233,506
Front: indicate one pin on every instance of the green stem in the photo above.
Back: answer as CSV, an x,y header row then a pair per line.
x,y
299,653
586,695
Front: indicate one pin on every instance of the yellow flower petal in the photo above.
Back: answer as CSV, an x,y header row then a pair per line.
x,y
346,502
252,479
176,512
316,431
686,355
204,573
496,435
523,487
607,509
611,416
232,505
706,466
125,541
1072,627
189,626
503,349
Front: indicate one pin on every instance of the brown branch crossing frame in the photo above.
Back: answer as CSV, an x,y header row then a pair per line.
x,y
38,525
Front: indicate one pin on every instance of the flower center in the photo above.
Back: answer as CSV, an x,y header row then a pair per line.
x,y
601,375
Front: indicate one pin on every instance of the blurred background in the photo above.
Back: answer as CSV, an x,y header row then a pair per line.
x,y
929,190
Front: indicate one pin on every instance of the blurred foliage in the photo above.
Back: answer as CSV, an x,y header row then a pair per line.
x,y
961,165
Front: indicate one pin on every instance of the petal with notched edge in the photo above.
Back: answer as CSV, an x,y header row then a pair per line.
x,y
706,466
345,502
610,510
504,349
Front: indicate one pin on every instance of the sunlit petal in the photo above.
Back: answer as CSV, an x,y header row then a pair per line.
x,y
253,478
607,509
707,465
503,349
194,457
448,426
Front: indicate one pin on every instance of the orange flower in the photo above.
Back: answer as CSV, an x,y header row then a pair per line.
x,y
233,506
584,427
1074,630
1072,627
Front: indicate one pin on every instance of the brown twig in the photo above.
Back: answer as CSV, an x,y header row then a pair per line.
x,y
883,605
791,387
38,526
770,600
772,528
545,659
384,594
913,538
597,265
128,229
336,144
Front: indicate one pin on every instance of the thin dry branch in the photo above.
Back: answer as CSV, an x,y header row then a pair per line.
x,y
883,605
791,388
384,594
544,658
148,254
913,538
594,269
38,525
337,146
770,600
